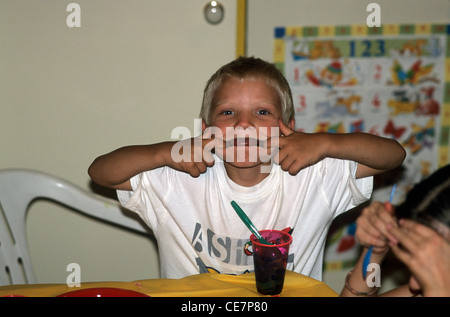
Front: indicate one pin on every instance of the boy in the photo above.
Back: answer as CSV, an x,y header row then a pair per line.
x,y
296,180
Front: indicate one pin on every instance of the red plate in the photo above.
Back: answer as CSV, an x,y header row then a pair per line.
x,y
103,292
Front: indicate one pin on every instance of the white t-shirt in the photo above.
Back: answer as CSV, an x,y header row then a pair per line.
x,y
197,228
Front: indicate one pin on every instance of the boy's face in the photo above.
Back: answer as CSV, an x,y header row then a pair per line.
x,y
244,112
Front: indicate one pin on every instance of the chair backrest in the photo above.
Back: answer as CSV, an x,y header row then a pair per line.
x,y
18,189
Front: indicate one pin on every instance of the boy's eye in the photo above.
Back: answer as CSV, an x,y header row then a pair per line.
x,y
227,112
263,112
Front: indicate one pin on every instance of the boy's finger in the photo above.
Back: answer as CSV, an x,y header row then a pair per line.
x,y
194,171
285,130
273,142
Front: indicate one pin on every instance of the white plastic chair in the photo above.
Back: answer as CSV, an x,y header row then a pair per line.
x,y
18,189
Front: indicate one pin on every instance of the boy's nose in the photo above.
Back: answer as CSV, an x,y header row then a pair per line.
x,y
243,121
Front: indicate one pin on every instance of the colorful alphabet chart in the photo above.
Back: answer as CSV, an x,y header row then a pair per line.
x,y
392,81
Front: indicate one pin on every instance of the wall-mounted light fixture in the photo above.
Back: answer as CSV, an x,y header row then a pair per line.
x,y
214,12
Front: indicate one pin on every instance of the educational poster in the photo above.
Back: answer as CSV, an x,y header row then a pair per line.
x,y
392,81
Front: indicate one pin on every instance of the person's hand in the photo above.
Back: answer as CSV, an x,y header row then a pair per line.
x,y
298,150
193,156
425,253
372,226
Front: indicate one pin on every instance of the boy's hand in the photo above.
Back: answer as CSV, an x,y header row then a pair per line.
x,y
193,156
374,224
298,150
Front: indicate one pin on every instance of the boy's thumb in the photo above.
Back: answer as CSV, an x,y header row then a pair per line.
x,y
285,130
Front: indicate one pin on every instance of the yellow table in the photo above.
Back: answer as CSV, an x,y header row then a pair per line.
x,y
201,285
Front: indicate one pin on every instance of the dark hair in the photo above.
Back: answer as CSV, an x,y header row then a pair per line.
x,y
429,200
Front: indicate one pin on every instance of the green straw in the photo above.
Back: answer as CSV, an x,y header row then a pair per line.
x,y
248,223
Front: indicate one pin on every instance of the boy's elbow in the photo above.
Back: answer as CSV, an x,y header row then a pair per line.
x,y
395,154
93,172
403,155
101,175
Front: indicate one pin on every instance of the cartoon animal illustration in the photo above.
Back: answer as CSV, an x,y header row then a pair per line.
x,y
413,48
338,106
403,103
330,76
420,137
414,75
324,49
348,103
376,102
326,127
429,106
394,131
357,126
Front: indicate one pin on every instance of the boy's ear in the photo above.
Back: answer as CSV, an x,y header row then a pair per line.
x,y
203,126
291,124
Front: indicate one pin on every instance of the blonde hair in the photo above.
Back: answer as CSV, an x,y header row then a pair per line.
x,y
249,68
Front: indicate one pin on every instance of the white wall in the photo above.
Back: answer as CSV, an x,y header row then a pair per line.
x,y
131,73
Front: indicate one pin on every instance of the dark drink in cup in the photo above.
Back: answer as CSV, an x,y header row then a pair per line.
x,y
270,261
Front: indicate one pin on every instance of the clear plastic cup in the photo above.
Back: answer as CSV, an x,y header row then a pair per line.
x,y
270,260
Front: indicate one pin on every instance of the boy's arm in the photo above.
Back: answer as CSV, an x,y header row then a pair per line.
x,y
373,153
115,169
